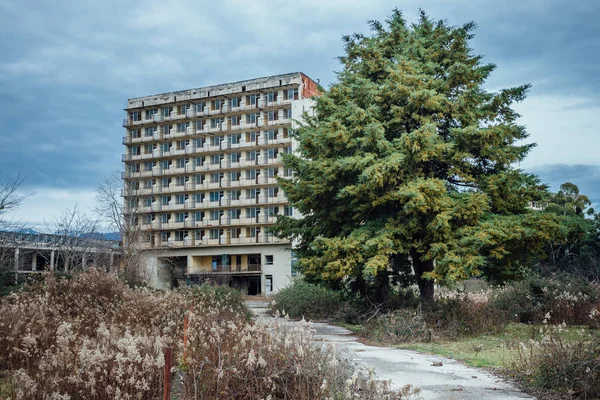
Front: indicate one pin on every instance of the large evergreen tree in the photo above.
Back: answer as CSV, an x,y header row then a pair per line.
x,y
407,165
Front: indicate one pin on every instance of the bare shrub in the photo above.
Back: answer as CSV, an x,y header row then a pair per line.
x,y
93,337
570,366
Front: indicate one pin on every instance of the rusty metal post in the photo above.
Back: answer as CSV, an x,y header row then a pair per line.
x,y
168,352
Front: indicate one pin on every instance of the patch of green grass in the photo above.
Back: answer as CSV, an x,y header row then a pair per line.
x,y
490,351
351,327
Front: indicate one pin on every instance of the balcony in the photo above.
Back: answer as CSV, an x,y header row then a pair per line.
x,y
191,112
231,269
159,117
157,135
175,116
127,122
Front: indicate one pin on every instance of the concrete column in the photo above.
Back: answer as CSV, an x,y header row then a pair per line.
x,y
17,263
83,261
34,262
52,260
112,260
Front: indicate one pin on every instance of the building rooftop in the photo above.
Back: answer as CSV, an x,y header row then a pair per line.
x,y
217,90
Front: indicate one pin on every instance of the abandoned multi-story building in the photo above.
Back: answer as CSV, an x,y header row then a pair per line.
x,y
201,169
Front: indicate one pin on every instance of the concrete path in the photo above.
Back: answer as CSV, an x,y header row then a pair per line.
x,y
438,377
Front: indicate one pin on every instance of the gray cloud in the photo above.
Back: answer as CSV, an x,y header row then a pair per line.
x,y
67,68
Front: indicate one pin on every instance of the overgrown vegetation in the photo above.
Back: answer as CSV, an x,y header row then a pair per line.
x,y
94,337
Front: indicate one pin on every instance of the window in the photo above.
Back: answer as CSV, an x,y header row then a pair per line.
x,y
252,117
198,215
164,218
135,133
235,102
136,116
180,198
214,233
235,120
198,234
215,178
234,176
180,236
148,131
272,115
165,200
216,104
164,236
271,96
272,172
182,127
200,124
214,215
288,211
165,164
252,99
291,94
251,231
269,260
135,150
180,162
215,159
250,174
216,122
181,144
235,157
269,282
199,161
180,180
199,179
273,191
214,196
199,142
147,219
234,138
251,212
150,113
271,134
200,106
235,213
199,197
287,113
251,155
148,149
235,194
148,184
272,211
180,217
148,166
167,111
251,137
235,233
272,153
183,108
166,147
165,182
216,140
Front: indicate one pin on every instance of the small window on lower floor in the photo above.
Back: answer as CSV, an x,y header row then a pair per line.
x,y
269,283
268,260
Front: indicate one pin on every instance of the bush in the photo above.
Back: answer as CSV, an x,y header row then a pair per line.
x,y
552,363
568,299
305,300
93,337
448,317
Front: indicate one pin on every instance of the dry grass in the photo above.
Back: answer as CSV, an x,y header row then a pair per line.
x,y
93,337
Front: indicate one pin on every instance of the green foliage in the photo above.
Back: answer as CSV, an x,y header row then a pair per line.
x,y
576,250
408,162
556,299
224,297
312,302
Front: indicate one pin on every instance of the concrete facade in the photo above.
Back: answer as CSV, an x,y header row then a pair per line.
x,y
201,170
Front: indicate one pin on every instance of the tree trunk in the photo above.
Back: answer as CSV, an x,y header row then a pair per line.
x,y
426,286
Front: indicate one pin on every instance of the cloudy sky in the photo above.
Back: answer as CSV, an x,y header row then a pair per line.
x,y
67,68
